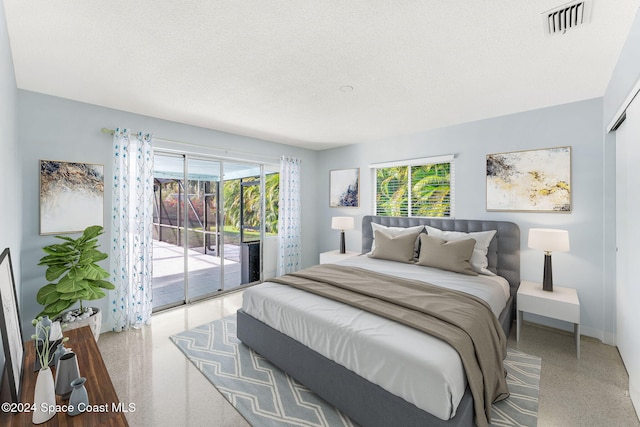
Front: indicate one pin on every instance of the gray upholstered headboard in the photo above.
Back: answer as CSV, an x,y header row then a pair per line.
x,y
504,250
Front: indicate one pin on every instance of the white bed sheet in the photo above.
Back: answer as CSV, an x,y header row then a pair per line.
x,y
413,365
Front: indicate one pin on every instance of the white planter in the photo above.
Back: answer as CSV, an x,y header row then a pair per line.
x,y
94,322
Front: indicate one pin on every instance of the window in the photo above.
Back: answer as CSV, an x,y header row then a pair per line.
x,y
418,187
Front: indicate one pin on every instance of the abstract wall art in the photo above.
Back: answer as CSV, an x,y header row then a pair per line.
x,y
71,196
531,181
343,188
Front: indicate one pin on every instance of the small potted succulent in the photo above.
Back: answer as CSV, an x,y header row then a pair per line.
x,y
74,276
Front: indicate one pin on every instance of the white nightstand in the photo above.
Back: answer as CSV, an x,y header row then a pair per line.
x,y
335,256
561,304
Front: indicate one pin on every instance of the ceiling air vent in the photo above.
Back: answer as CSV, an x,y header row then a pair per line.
x,y
566,17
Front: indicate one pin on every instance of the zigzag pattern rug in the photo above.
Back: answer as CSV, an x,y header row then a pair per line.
x,y
266,396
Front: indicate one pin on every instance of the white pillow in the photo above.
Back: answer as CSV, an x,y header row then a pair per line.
x,y
478,261
394,232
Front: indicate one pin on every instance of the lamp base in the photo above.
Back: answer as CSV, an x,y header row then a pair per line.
x,y
547,281
343,247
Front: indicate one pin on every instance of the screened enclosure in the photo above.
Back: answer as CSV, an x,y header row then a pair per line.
x,y
210,219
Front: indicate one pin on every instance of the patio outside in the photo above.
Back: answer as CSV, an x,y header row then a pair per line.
x,y
204,275
217,258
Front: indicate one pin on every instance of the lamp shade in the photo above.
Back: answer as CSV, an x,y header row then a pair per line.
x,y
342,222
548,239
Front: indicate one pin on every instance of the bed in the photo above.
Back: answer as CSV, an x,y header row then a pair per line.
x,y
278,324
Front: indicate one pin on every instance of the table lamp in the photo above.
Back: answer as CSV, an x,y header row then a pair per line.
x,y
342,223
548,240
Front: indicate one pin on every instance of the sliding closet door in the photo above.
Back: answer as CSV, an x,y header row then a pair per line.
x,y
628,246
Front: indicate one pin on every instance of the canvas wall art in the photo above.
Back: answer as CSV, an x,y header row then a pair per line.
x,y
10,328
532,181
343,188
71,196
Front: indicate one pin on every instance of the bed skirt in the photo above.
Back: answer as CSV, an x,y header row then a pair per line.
x,y
364,402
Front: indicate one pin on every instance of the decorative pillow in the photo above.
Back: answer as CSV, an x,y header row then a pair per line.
x,y
394,248
479,261
396,231
450,255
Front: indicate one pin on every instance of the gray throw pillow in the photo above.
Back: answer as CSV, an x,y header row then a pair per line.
x,y
394,248
479,261
396,231
451,255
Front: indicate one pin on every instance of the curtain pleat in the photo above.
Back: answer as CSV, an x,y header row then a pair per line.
x,y
132,229
289,217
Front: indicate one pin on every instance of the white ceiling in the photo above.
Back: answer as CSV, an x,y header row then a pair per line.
x,y
274,70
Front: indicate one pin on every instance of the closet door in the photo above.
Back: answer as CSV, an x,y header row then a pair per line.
x,y
628,246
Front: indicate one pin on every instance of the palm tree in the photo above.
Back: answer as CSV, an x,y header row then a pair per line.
x,y
392,191
231,192
252,203
272,198
431,190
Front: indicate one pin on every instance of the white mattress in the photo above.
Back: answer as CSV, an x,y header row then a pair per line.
x,y
415,366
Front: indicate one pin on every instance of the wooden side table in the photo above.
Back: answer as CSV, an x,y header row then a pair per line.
x,y
106,409
561,304
335,256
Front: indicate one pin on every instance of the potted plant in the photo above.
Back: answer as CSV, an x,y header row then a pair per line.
x,y
73,264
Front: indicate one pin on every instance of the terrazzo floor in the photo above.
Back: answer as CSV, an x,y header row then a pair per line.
x,y
148,370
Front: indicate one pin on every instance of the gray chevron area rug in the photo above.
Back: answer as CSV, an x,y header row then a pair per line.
x,y
266,396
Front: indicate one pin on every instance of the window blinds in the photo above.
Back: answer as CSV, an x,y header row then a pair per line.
x,y
417,187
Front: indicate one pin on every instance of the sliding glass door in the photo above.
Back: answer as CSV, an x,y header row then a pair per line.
x,y
168,231
209,226
203,259
243,225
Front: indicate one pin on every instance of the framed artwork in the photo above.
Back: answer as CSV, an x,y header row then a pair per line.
x,y
343,188
10,327
71,196
530,181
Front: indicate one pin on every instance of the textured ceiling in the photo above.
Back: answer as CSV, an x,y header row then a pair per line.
x,y
281,70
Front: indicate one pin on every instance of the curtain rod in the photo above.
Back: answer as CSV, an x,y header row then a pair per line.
x,y
414,162
226,151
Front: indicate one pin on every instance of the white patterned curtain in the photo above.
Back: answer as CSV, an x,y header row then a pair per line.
x,y
289,223
132,242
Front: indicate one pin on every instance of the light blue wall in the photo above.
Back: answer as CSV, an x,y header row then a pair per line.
x,y
625,74
58,129
578,125
10,218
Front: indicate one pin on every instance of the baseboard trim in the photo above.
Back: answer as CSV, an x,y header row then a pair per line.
x,y
634,393
605,338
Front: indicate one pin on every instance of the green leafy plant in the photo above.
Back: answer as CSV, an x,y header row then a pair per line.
x,y
74,264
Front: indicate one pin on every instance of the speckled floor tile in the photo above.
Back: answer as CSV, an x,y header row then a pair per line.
x,y
148,370
591,391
